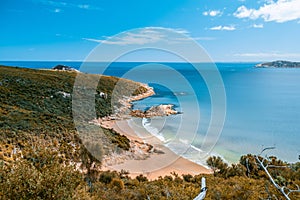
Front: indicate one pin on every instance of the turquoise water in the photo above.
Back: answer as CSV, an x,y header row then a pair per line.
x,y
263,106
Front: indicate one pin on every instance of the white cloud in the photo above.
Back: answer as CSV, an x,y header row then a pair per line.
x,y
212,13
67,5
143,37
148,35
195,38
257,25
223,28
57,10
280,11
84,6
178,30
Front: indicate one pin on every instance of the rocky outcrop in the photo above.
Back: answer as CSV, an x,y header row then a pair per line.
x,y
279,64
160,110
124,111
64,68
138,151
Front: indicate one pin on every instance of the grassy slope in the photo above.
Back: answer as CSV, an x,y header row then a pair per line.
x,y
31,100
33,106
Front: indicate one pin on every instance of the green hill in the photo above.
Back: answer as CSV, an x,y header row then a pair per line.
x,y
36,105
34,100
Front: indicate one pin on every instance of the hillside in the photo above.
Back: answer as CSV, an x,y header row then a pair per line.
x,y
42,156
36,107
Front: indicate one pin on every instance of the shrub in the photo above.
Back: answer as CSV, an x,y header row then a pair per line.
x,y
107,176
117,184
141,178
217,165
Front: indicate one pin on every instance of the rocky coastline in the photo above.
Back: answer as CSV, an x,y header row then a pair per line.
x,y
155,111
139,150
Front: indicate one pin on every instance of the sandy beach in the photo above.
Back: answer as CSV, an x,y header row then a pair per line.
x,y
157,164
152,163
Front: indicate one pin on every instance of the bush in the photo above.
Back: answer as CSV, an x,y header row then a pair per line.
x,y
141,178
217,165
117,184
107,176
42,178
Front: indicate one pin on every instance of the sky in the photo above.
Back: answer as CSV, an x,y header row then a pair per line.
x,y
228,30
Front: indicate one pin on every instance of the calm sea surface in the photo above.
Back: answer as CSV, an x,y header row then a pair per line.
x,y
262,105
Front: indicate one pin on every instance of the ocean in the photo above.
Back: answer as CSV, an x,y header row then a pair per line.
x,y
262,106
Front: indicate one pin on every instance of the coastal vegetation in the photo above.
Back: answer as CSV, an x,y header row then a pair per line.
x,y
43,176
42,156
36,112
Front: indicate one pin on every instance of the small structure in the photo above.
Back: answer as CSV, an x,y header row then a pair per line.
x,y
64,94
103,95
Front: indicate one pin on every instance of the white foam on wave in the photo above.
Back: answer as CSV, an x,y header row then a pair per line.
x,y
184,141
181,147
184,149
152,130
196,148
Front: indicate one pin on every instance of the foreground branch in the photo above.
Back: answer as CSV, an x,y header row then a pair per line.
x,y
283,189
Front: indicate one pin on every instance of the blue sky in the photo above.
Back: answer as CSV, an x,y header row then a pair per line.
x,y
229,30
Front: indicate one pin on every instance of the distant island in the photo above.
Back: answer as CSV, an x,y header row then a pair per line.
x,y
279,64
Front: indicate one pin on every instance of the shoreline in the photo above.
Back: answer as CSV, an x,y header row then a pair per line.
x,y
159,161
156,164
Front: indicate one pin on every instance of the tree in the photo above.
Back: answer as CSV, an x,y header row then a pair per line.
x,y
217,165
